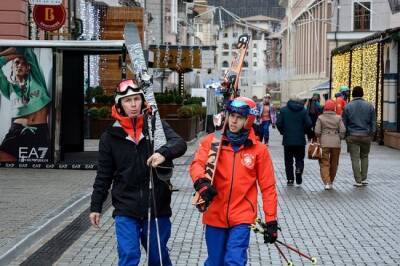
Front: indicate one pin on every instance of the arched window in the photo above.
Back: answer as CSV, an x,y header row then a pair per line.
x,y
225,64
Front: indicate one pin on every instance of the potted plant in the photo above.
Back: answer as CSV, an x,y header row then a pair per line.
x,y
100,119
184,122
168,103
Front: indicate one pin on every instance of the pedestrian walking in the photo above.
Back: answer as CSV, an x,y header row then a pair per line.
x,y
314,109
340,103
231,197
125,161
294,123
267,118
330,131
360,121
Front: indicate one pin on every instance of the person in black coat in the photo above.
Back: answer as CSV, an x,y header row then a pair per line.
x,y
124,161
294,123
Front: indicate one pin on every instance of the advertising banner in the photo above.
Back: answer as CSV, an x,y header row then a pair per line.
x,y
25,104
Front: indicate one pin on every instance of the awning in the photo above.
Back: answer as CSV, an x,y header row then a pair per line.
x,y
323,86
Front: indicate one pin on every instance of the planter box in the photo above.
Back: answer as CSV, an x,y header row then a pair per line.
x,y
166,110
392,139
97,127
185,127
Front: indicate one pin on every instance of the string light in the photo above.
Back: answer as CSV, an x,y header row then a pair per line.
x,y
340,71
91,30
364,73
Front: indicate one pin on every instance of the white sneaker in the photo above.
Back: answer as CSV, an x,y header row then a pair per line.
x,y
327,187
364,183
358,184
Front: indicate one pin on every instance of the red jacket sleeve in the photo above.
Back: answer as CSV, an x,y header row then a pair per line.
x,y
198,166
266,182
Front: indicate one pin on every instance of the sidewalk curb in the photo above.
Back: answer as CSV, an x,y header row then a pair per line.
x,y
25,243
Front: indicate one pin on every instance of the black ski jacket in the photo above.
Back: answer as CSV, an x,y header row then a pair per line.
x,y
122,163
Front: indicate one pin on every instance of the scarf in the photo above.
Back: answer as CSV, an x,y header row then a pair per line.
x,y
132,126
237,139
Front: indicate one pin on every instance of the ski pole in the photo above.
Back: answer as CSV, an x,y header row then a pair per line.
x,y
152,194
156,218
288,262
258,227
312,259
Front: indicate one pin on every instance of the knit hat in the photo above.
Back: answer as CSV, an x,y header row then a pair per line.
x,y
330,105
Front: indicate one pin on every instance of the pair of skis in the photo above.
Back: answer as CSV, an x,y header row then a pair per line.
x,y
156,136
230,86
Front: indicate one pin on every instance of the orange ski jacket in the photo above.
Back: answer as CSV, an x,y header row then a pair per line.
x,y
340,104
236,178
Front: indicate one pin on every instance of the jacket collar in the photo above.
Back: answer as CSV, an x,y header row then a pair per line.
x,y
131,127
249,141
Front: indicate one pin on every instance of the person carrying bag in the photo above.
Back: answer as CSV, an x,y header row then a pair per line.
x,y
330,130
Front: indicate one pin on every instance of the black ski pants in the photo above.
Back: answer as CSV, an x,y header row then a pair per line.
x,y
298,153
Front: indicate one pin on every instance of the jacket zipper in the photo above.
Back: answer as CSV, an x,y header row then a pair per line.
x,y
134,128
230,190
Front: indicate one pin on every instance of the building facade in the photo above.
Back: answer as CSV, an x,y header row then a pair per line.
x,y
305,49
312,29
254,62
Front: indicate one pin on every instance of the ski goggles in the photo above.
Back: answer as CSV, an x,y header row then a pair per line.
x,y
127,85
241,108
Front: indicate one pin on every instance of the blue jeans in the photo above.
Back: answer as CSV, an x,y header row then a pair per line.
x,y
265,131
130,231
227,246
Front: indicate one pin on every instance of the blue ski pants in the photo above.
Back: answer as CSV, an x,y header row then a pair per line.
x,y
131,232
227,246
264,128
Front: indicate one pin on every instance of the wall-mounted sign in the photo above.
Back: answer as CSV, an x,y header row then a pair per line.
x,y
49,17
45,2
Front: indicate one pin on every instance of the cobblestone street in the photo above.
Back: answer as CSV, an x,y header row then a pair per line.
x,y
344,226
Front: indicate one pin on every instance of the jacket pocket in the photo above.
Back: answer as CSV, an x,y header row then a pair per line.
x,y
251,204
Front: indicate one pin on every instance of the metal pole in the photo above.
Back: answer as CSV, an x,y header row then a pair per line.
x,y
350,67
330,77
377,87
162,40
381,141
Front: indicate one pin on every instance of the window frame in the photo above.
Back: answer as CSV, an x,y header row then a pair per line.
x,y
370,15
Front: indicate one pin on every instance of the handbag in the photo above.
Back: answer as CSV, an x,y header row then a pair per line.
x,y
314,151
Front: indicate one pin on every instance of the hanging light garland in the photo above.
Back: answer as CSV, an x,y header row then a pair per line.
x,y
340,71
91,30
364,72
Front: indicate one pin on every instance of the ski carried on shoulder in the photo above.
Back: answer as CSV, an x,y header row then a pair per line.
x,y
139,68
230,90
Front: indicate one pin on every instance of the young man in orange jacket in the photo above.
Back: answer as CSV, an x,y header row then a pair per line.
x,y
232,197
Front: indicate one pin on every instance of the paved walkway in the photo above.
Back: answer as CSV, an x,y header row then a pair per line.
x,y
345,226
30,197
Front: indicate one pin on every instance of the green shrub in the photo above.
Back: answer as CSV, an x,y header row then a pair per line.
x,y
160,98
104,112
94,113
185,112
178,99
194,100
196,109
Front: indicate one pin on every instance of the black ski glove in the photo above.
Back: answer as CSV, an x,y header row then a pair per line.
x,y
270,232
206,190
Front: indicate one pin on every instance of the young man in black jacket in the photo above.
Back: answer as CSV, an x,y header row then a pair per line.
x,y
124,161
294,124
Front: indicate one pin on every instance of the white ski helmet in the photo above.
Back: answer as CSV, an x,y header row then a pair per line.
x,y
126,88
